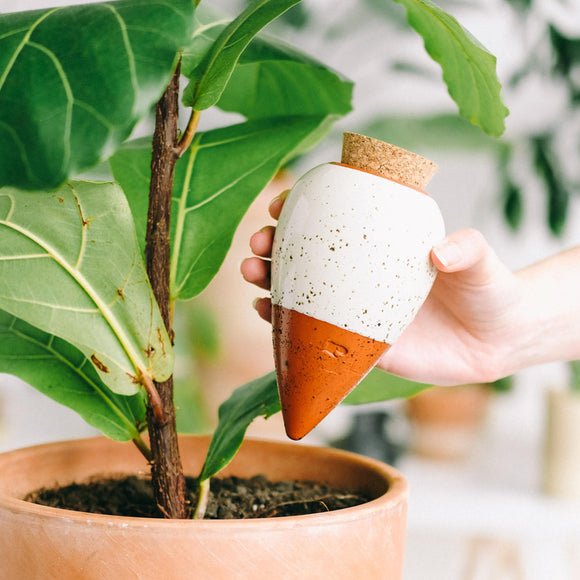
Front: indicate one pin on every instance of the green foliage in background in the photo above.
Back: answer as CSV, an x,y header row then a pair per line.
x,y
552,55
468,67
575,375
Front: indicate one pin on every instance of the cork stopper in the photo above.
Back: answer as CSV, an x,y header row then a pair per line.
x,y
387,160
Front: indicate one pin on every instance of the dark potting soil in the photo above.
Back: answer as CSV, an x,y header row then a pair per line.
x,y
230,497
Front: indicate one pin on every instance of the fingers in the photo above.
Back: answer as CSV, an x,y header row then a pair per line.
x,y
277,204
263,307
261,242
459,250
256,271
467,252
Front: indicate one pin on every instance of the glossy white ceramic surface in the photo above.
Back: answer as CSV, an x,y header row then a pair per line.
x,y
352,249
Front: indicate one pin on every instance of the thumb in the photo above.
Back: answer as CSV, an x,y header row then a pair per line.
x,y
468,252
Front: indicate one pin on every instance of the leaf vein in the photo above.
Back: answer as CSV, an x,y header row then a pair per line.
x,y
115,325
23,257
13,32
83,243
201,30
21,149
129,51
69,102
90,109
187,274
54,306
182,210
21,46
228,186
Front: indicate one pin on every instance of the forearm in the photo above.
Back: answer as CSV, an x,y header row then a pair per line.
x,y
549,314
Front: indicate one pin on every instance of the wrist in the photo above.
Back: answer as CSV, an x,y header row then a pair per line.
x,y
548,316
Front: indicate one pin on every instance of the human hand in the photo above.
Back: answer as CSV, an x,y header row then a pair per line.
x,y
465,330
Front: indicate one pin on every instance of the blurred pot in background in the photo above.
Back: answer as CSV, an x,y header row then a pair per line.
x,y
561,473
445,421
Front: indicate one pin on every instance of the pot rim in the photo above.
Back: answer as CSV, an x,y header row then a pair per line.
x,y
394,498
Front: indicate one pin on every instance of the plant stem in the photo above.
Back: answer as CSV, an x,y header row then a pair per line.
x,y
202,499
187,138
142,446
166,468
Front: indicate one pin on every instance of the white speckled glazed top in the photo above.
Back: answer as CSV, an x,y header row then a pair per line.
x,y
352,249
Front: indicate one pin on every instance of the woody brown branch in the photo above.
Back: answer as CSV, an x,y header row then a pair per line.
x,y
166,467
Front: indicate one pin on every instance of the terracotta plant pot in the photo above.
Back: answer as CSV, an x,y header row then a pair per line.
x,y
561,474
445,420
40,542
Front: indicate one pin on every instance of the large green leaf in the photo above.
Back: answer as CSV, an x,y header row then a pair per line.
x,y
208,24
60,371
380,386
468,68
273,79
254,399
210,76
71,266
215,183
74,81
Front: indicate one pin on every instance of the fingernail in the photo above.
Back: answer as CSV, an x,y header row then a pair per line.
x,y
280,197
274,202
448,253
255,303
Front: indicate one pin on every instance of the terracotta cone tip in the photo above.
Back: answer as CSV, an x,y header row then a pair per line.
x,y
318,364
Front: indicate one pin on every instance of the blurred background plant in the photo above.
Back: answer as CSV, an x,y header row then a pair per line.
x,y
543,64
575,376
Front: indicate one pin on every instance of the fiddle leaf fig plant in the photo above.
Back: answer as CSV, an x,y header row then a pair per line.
x,y
90,270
